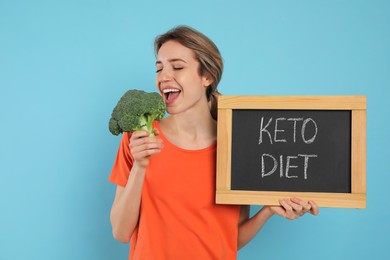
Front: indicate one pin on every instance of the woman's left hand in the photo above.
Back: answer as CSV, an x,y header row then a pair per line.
x,y
294,208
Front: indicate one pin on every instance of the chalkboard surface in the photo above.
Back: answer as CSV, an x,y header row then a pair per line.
x,y
291,150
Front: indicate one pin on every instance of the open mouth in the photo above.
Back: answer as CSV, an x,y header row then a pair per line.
x,y
170,94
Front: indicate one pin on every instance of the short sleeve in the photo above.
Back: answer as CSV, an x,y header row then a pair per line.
x,y
123,162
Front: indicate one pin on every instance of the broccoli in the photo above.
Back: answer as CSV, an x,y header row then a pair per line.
x,y
136,110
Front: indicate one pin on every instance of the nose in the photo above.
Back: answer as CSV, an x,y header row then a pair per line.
x,y
164,76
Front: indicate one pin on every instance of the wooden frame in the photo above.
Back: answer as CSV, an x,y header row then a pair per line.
x,y
357,106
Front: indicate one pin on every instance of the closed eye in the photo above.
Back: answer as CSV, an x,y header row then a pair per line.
x,y
175,68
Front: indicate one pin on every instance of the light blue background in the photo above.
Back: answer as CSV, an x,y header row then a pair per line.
x,y
64,64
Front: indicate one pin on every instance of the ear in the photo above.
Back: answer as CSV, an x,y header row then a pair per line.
x,y
207,81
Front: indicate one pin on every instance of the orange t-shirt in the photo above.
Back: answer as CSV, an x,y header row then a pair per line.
x,y
178,215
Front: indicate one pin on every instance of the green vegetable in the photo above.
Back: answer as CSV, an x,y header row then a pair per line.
x,y
136,110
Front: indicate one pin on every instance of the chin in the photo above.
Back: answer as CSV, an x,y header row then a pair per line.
x,y
172,111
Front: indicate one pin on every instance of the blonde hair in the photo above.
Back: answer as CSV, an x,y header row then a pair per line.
x,y
206,53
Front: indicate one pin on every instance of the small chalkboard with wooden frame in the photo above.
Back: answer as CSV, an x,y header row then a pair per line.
x,y
272,147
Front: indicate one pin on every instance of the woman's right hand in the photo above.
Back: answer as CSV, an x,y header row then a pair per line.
x,y
142,146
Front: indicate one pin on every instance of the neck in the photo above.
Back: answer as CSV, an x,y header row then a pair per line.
x,y
190,130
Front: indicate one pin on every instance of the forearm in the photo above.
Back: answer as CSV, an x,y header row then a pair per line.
x,y
248,229
125,210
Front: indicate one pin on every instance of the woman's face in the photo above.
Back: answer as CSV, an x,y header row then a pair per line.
x,y
178,78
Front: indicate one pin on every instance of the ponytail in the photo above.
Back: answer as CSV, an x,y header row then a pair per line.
x,y
212,97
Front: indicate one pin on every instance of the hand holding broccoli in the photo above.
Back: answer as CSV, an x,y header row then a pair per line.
x,y
136,110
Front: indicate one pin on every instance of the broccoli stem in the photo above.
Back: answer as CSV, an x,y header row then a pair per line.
x,y
146,124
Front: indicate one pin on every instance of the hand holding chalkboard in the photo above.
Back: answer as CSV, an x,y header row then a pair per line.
x,y
294,208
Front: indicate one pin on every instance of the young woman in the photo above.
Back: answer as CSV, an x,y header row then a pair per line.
x,y
165,192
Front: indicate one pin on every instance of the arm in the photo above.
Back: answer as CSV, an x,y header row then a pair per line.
x,y
248,227
289,208
126,206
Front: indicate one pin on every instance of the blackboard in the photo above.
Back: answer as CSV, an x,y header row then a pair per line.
x,y
272,147
291,150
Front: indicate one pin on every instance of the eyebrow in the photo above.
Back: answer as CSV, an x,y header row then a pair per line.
x,y
171,60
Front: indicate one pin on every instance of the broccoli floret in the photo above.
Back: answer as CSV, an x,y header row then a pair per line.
x,y
136,110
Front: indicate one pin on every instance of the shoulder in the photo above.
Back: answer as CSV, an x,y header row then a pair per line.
x,y
126,138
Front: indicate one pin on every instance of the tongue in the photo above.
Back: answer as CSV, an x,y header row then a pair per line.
x,y
171,97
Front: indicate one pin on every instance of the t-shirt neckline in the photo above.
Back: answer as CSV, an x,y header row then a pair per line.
x,y
156,124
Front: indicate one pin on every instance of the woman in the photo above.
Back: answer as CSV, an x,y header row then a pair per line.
x,y
165,185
